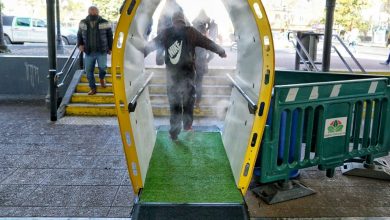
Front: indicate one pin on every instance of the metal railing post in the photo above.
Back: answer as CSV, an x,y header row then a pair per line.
x,y
350,54
342,59
298,57
60,45
330,8
302,46
51,42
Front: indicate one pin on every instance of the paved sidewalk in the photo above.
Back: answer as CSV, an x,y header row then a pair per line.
x,y
76,168
67,169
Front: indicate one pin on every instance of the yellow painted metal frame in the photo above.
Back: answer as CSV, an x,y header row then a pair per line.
x,y
120,94
265,93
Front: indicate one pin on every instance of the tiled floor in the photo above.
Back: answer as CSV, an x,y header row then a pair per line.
x,y
76,168
66,169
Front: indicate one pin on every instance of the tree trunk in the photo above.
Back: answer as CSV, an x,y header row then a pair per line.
x,y
3,46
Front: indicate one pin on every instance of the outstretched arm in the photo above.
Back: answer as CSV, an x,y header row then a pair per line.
x,y
155,44
202,41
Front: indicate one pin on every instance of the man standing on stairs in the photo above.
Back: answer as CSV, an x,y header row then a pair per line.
x,y
179,43
95,38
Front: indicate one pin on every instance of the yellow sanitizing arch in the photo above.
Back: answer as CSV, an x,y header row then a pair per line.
x,y
243,130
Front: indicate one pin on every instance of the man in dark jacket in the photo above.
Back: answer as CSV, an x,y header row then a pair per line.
x,y
164,22
95,38
179,43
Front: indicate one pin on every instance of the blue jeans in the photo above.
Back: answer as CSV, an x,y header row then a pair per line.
x,y
90,62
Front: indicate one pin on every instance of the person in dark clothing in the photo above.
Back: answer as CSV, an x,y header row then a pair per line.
x,y
164,22
387,62
213,30
179,42
95,38
203,56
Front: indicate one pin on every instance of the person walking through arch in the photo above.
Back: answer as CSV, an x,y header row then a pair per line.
x,y
164,22
179,42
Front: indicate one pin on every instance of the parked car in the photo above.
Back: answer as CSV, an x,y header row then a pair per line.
x,y
69,36
18,30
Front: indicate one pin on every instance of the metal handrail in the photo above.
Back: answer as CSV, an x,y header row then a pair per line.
x,y
337,51
68,68
251,104
300,55
67,61
304,51
350,53
342,59
133,103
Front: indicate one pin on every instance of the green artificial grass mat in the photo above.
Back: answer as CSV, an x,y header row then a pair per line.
x,y
195,169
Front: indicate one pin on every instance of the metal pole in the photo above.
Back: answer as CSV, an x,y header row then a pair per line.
x,y
60,45
330,7
297,57
51,43
3,46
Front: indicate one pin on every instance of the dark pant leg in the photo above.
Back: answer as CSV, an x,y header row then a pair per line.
x,y
102,64
175,106
188,106
199,86
89,64
388,59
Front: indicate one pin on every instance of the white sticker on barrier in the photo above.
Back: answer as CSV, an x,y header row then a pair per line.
x,y
314,93
292,94
335,127
335,91
373,87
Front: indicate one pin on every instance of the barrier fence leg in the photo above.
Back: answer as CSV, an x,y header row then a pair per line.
x,y
376,169
282,191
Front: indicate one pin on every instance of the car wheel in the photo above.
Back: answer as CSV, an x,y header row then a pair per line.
x,y
65,41
7,40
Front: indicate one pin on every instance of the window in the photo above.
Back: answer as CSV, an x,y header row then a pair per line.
x,y
39,23
23,22
7,20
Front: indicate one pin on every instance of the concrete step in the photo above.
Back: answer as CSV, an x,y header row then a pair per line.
x,y
205,111
213,71
160,70
82,109
85,80
159,89
207,80
208,100
84,88
108,70
100,98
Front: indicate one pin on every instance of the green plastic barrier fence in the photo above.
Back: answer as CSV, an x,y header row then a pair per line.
x,y
325,124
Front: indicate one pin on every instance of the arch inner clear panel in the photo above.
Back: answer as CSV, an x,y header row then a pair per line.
x,y
238,34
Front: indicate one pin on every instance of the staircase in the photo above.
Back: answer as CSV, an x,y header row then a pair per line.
x,y
101,104
216,95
